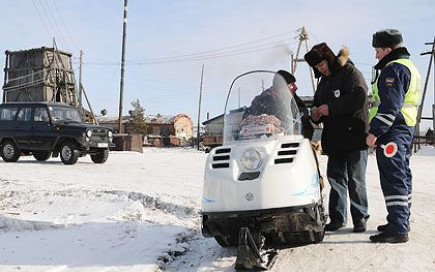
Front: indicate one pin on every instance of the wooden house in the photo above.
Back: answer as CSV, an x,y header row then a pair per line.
x,y
163,130
166,130
213,132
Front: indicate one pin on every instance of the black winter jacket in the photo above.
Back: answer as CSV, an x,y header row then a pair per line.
x,y
272,102
345,93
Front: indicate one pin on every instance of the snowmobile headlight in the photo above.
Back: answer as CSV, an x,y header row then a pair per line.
x,y
251,159
89,133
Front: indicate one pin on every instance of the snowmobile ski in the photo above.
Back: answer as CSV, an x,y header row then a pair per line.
x,y
249,256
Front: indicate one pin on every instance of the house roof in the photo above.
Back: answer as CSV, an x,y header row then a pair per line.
x,y
222,115
149,119
213,119
40,49
159,119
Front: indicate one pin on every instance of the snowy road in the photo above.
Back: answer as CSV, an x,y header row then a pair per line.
x,y
140,212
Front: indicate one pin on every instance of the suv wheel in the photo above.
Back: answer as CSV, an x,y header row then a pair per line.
x,y
101,156
42,155
69,153
9,151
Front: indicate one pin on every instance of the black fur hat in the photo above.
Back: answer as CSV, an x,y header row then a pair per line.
x,y
387,38
319,53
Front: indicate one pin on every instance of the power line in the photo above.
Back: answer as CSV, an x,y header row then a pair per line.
x,y
52,21
219,55
195,57
203,54
225,48
64,25
364,64
40,18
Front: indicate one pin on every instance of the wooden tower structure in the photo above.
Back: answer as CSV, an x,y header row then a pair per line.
x,y
41,74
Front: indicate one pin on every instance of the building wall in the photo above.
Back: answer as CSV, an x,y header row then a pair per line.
x,y
183,127
215,127
162,130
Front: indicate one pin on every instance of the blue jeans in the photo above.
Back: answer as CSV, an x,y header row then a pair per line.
x,y
347,173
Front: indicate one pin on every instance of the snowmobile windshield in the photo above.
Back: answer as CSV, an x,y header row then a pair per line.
x,y
260,106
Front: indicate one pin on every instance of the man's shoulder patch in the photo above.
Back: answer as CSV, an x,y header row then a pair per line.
x,y
389,81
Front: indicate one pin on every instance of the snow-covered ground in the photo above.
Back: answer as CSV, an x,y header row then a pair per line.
x,y
140,212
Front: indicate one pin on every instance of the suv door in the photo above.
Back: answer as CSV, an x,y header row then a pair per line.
x,y
43,137
22,125
7,121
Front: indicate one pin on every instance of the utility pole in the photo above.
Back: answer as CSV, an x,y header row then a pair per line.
x,y
6,75
80,83
420,108
121,84
54,72
199,107
303,38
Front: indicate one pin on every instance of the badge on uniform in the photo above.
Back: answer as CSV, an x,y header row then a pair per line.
x,y
337,93
389,81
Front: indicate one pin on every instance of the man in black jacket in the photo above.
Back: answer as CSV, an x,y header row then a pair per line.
x,y
340,103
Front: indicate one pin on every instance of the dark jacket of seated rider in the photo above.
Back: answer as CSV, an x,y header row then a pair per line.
x,y
273,102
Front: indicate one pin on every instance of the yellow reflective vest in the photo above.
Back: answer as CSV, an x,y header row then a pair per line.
x,y
412,96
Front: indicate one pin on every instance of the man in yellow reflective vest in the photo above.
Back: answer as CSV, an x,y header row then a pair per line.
x,y
396,93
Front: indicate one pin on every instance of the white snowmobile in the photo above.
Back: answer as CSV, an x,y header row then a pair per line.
x,y
262,187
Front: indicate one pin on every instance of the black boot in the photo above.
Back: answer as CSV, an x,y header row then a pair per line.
x,y
333,226
382,228
386,237
360,225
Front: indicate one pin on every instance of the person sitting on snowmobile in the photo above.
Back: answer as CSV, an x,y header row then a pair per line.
x,y
272,102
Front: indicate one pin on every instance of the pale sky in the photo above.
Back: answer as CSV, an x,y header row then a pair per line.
x,y
169,41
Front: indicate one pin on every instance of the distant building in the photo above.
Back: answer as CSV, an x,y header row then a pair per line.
x,y
181,126
213,132
163,130
214,126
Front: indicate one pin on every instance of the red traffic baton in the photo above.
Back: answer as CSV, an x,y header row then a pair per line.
x,y
390,149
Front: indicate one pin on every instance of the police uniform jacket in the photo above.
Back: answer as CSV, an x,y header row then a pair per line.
x,y
393,83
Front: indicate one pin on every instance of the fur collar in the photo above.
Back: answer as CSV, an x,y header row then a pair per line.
x,y
340,61
343,56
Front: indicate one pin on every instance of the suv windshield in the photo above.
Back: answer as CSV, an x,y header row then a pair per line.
x,y
260,106
59,113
